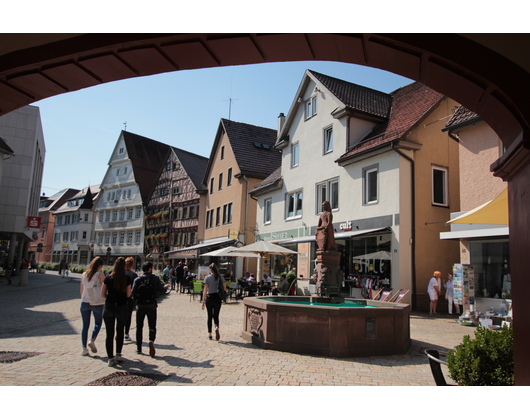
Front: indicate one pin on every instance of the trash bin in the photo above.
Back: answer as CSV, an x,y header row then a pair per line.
x,y
23,277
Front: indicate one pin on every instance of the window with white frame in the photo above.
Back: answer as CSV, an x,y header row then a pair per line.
x,y
67,219
108,196
209,219
129,237
122,214
73,236
328,191
310,107
100,238
138,212
328,139
114,238
125,171
129,213
128,194
122,238
294,205
107,216
84,234
137,236
65,236
370,185
295,151
59,220
107,238
114,215
86,217
439,186
56,237
267,211
121,151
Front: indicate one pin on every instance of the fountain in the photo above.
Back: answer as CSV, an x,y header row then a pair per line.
x,y
327,324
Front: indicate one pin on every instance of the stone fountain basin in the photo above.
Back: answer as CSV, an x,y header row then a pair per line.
x,y
288,323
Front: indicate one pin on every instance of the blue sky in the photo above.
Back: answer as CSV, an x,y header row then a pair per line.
x,y
182,109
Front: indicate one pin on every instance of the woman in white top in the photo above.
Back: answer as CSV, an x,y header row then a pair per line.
x,y
91,279
450,289
434,291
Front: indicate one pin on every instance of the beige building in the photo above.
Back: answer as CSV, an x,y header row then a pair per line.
x,y
485,246
242,156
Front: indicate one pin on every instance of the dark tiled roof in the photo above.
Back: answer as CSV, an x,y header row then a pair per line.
x,y
147,157
193,164
461,116
271,180
253,148
5,147
357,97
409,104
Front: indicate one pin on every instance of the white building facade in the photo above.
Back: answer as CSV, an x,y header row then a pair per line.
x,y
364,196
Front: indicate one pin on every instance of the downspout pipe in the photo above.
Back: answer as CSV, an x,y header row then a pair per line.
x,y
246,217
413,222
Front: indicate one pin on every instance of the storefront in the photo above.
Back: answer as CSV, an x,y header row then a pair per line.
x,y
366,258
485,247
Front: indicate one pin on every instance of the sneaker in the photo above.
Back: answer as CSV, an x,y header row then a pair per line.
x,y
127,337
111,363
151,349
92,346
138,351
118,357
84,352
217,335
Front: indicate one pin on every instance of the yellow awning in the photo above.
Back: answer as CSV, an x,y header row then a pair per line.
x,y
494,212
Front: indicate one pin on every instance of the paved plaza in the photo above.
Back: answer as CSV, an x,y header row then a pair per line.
x,y
44,317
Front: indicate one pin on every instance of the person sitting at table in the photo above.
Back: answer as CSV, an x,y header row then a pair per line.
x,y
266,282
282,288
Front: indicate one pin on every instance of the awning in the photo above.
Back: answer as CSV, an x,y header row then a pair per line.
x,y
494,212
341,235
216,242
497,231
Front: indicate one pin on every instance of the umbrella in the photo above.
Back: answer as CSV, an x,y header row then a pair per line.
x,y
262,248
227,252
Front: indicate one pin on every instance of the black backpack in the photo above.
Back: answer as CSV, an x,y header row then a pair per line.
x,y
145,292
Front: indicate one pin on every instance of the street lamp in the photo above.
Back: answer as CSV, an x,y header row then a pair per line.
x,y
109,250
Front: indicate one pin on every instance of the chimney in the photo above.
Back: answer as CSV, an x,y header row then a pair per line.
x,y
281,122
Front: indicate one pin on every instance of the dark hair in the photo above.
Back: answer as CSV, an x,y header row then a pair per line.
x,y
118,275
215,270
93,269
146,266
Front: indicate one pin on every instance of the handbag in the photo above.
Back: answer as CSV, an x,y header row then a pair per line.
x,y
94,292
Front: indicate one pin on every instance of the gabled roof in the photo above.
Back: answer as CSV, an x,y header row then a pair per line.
x,y
147,157
461,117
359,99
409,105
193,164
58,199
252,147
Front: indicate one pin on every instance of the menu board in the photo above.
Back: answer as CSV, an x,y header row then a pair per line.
x,y
464,286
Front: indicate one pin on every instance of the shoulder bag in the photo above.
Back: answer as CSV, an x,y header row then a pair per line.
x,y
94,292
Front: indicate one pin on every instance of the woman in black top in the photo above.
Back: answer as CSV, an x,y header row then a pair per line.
x,y
116,289
212,300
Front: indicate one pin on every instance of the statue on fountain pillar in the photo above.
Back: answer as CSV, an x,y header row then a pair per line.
x,y
325,234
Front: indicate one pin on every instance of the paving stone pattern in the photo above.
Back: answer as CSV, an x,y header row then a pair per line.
x,y
44,317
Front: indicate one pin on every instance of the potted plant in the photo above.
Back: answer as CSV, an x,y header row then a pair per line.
x,y
486,359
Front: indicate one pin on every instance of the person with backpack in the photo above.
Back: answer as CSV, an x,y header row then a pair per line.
x,y
144,293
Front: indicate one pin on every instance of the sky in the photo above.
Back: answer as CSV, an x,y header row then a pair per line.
x,y
182,109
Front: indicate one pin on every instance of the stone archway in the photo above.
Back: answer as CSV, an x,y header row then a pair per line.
x,y
487,73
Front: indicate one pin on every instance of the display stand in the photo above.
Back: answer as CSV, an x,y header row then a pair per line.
x,y
464,291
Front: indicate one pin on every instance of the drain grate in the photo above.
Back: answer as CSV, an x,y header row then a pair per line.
x,y
15,356
129,379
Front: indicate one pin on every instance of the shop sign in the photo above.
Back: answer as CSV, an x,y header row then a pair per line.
x,y
370,328
233,234
255,320
278,236
33,222
346,226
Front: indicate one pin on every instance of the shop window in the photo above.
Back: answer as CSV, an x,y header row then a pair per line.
x,y
491,263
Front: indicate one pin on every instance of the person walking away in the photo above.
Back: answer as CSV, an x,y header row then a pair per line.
x,y
33,265
91,285
211,299
131,304
434,292
449,287
166,273
116,289
144,292
180,275
9,272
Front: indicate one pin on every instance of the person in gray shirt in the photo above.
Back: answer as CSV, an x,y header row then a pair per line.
x,y
211,299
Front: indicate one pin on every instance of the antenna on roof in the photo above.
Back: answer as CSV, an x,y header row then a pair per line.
x,y
230,107
125,124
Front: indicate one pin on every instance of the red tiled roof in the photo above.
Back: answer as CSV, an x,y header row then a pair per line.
x,y
461,115
409,104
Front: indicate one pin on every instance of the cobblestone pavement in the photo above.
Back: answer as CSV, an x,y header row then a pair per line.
x,y
44,317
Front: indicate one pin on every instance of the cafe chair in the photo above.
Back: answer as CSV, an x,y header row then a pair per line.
x,y
436,366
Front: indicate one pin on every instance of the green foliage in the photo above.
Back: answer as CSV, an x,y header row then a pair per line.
x,y
485,360
290,277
